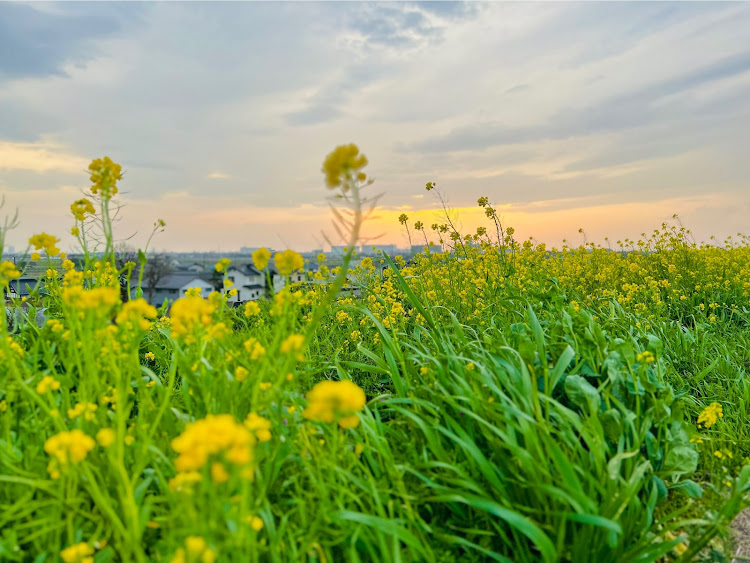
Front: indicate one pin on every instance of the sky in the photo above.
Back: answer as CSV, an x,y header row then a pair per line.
x,y
611,117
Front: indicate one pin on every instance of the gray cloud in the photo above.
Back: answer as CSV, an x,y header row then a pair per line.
x,y
617,113
522,102
39,43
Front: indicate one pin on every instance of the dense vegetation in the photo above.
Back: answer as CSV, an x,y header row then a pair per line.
x,y
495,400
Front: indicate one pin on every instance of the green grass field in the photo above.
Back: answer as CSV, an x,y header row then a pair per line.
x,y
498,400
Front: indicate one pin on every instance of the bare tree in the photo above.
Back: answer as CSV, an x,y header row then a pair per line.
x,y
157,268
125,253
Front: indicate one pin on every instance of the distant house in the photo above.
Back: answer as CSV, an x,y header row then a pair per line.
x,y
32,273
249,282
23,286
173,286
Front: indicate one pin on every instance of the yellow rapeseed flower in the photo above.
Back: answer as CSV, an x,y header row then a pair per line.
x,y
219,473
86,410
69,446
81,207
47,384
256,523
135,315
8,271
294,345
259,426
288,261
78,553
329,401
710,415
251,309
100,299
196,550
213,436
104,174
222,264
188,313
343,165
646,357
184,480
45,241
254,348
261,258
105,437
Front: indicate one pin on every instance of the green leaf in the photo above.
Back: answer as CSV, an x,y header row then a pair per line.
x,y
682,459
581,392
688,487
563,363
514,519
612,423
661,487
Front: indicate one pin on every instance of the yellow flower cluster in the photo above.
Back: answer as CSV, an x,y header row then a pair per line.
x,y
134,315
81,207
344,165
288,261
104,174
282,300
294,345
196,550
251,309
189,313
222,264
194,291
47,384
67,447
261,258
241,373
254,348
101,299
78,553
212,437
86,410
330,401
14,346
217,331
259,426
646,357
710,415
8,271
47,242
105,437
183,481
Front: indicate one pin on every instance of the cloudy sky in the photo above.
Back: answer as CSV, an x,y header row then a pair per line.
x,y
611,117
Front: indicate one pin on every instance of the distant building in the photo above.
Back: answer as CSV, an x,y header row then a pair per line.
x,y
389,249
172,286
341,250
251,249
249,282
32,273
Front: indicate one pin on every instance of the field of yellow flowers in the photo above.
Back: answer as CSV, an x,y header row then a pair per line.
x,y
491,399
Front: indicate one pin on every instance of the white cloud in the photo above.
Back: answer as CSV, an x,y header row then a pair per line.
x,y
218,176
42,157
520,102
